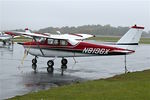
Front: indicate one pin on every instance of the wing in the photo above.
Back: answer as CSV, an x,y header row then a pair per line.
x,y
79,36
71,36
27,34
54,36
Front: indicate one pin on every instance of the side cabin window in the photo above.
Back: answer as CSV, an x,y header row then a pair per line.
x,y
63,42
50,41
58,42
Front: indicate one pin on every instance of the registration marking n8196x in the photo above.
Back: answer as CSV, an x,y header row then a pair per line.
x,y
96,50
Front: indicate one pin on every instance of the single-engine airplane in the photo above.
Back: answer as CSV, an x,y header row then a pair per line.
x,y
71,45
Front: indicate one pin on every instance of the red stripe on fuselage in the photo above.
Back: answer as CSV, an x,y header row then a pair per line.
x,y
79,47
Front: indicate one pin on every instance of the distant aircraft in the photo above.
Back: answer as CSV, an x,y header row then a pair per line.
x,y
8,37
5,38
71,45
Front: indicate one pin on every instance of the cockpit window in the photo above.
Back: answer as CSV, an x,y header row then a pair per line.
x,y
42,40
63,42
50,41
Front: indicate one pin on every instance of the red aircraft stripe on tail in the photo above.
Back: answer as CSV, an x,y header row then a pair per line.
x,y
26,29
137,27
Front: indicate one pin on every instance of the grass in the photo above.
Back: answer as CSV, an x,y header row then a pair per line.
x,y
130,86
145,40
22,40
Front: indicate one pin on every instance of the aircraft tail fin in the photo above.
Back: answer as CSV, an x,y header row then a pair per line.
x,y
131,39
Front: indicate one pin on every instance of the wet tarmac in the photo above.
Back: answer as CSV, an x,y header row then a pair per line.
x,y
18,79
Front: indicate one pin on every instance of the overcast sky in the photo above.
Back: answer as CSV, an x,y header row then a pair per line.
x,y
36,14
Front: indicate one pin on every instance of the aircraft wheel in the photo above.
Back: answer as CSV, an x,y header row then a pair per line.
x,y
34,66
50,69
34,61
50,63
64,61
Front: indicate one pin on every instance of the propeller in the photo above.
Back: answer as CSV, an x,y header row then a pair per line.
x,y
26,51
24,56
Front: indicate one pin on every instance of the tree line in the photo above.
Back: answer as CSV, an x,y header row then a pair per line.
x,y
106,30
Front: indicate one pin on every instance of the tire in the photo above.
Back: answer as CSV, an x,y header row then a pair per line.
x,y
64,61
50,63
34,61
34,66
50,69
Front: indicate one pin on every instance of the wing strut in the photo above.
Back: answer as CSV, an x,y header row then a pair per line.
x,y
38,46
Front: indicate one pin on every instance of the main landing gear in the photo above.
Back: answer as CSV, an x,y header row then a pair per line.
x,y
64,61
50,65
63,65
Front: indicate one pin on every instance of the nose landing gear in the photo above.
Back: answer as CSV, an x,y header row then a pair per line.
x,y
34,64
34,61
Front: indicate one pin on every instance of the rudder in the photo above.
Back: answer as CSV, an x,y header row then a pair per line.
x,y
131,39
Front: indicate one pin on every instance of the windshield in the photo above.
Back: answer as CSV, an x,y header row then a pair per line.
x,y
42,40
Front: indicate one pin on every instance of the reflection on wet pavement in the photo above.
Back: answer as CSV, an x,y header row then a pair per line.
x,y
41,80
18,79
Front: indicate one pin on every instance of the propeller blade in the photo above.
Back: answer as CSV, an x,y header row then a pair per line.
x,y
25,55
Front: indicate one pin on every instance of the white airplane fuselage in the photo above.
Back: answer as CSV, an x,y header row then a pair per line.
x,y
80,49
